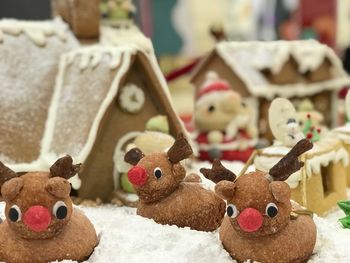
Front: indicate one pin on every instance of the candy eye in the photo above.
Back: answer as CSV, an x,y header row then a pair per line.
x,y
158,173
271,210
232,211
60,210
15,214
211,108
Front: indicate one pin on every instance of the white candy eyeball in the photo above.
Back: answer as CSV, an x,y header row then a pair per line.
x,y
271,210
158,172
60,210
232,211
15,213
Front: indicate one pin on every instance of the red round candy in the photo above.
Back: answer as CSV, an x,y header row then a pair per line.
x,y
250,220
37,218
137,176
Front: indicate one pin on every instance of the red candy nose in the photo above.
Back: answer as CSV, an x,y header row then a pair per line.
x,y
250,220
137,176
37,218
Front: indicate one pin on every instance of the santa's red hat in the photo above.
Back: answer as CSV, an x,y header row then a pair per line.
x,y
213,84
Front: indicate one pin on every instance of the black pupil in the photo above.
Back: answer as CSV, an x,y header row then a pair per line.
x,y
229,211
211,108
272,211
13,215
61,212
158,173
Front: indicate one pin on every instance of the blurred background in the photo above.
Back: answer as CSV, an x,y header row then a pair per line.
x,y
182,31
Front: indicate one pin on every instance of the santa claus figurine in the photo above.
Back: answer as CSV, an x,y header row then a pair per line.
x,y
224,129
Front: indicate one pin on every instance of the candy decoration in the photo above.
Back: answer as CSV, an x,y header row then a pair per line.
x,y
345,206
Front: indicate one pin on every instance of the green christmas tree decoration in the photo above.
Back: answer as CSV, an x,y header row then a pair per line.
x,y
345,206
310,131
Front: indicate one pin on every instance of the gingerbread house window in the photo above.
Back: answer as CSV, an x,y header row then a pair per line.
x,y
131,98
327,182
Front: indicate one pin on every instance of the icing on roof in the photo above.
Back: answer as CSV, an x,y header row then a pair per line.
x,y
97,61
343,133
68,95
247,59
37,31
68,98
27,77
328,150
122,36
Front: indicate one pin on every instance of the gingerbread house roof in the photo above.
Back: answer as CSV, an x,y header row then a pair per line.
x,y
29,56
327,150
125,35
249,60
86,85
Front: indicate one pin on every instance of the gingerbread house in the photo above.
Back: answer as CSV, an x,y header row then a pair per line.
x,y
321,182
103,94
29,58
261,71
59,98
343,133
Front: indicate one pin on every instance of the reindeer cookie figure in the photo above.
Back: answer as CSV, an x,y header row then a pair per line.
x,y
165,197
41,224
260,224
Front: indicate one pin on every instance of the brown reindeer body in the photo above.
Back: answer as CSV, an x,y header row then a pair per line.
x,y
41,224
259,225
79,232
164,195
188,206
293,240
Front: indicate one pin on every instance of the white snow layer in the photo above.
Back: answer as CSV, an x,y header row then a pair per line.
x,y
127,237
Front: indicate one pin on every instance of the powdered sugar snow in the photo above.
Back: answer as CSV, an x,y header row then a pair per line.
x,y
127,237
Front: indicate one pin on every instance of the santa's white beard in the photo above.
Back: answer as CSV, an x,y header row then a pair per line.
x,y
239,122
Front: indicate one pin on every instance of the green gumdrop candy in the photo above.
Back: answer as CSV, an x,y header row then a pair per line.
x,y
125,184
345,206
158,123
345,222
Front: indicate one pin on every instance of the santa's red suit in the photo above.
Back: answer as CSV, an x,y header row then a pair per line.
x,y
228,149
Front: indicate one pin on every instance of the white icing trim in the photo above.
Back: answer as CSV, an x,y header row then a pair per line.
x,y
125,99
343,133
37,31
124,67
117,55
118,156
312,166
122,36
246,59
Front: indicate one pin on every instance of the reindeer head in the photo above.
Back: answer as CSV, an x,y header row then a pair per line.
x,y
258,204
38,205
157,175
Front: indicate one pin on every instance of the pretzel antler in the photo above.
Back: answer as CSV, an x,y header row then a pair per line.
x,y
180,150
5,174
290,163
218,173
64,168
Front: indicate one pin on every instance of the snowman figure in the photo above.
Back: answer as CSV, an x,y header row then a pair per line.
x,y
223,125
